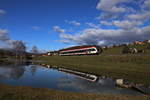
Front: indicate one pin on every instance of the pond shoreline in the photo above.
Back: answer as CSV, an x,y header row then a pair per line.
x,y
93,78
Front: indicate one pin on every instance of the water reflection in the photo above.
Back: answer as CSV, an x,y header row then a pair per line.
x,y
11,71
33,69
39,76
94,87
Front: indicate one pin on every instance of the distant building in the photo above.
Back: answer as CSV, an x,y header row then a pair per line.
x,y
44,55
104,47
52,53
138,42
147,41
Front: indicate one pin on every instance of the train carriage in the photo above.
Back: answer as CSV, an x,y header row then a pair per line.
x,y
80,50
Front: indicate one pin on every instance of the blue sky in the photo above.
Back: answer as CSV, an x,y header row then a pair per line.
x,y
56,24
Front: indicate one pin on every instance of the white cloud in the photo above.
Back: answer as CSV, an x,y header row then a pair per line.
x,y
2,12
73,22
93,25
126,24
140,16
102,42
146,4
146,31
111,6
65,41
66,36
4,35
3,31
106,23
113,9
5,40
111,36
58,29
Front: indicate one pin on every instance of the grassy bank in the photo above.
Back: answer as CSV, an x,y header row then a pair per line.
x,y
4,60
28,93
135,68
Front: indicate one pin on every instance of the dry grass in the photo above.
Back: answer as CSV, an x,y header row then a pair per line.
x,y
28,93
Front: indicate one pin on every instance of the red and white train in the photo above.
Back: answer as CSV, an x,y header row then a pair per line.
x,y
80,50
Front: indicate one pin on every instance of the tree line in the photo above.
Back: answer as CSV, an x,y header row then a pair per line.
x,y
18,50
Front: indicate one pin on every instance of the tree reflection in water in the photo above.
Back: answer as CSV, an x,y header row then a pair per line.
x,y
14,71
33,69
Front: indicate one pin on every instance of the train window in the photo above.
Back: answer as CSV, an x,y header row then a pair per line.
x,y
76,51
83,50
91,49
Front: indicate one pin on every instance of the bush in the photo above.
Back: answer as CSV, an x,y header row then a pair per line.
x,y
148,46
125,49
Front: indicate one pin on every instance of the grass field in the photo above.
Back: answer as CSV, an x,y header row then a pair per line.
x,y
118,50
133,68
111,63
28,93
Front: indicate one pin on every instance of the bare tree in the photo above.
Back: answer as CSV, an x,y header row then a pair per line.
x,y
34,49
19,47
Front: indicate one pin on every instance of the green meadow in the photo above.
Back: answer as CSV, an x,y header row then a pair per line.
x,y
111,63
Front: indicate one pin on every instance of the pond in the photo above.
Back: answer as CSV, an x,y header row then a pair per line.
x,y
43,77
